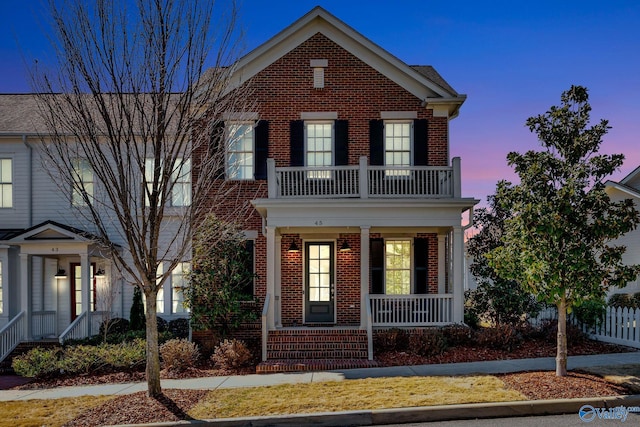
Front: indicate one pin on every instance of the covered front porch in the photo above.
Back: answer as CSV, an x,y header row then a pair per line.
x,y
60,285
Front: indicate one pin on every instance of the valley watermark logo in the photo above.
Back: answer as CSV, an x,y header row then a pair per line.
x,y
588,413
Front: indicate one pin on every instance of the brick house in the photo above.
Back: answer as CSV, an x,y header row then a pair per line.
x,y
357,208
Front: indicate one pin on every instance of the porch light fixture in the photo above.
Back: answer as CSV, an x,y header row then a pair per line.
x,y
293,247
345,246
99,273
61,274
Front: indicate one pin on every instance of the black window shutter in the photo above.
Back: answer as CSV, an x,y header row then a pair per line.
x,y
218,149
376,142
296,134
376,265
420,265
262,149
420,142
342,142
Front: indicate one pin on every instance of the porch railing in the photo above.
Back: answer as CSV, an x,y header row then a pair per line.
x,y
411,310
43,324
364,181
11,335
76,330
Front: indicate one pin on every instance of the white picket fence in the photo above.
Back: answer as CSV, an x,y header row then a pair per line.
x,y
621,325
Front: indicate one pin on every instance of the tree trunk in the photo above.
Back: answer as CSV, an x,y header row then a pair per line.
x,y
153,354
561,355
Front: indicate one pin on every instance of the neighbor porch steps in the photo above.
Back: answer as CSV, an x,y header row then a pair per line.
x,y
314,349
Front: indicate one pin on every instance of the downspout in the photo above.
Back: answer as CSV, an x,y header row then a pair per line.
x,y
29,180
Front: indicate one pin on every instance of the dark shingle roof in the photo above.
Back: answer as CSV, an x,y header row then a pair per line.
x,y
429,72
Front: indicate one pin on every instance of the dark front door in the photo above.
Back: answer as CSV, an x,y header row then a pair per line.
x,y
319,288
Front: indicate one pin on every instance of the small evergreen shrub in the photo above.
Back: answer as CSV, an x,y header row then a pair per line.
x,y
458,335
502,337
137,320
179,354
179,328
125,355
620,300
394,339
37,362
231,354
590,313
163,325
81,359
117,325
427,342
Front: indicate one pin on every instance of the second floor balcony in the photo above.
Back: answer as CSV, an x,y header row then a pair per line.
x,y
364,181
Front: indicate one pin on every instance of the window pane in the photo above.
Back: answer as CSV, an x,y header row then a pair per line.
x,y
398,267
240,152
6,170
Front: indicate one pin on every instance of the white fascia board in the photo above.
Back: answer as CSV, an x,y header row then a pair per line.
x,y
623,188
631,176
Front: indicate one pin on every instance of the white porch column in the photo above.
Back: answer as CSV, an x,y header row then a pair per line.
x,y
442,264
85,274
277,300
25,293
364,274
271,275
457,274
7,283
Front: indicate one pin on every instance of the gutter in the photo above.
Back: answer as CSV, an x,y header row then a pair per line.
x,y
29,180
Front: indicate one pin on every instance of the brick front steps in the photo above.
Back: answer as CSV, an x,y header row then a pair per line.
x,y
306,365
315,349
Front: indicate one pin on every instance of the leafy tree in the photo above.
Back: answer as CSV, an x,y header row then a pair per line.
x,y
220,274
129,99
497,300
557,244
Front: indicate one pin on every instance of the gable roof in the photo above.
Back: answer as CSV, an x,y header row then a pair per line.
x,y
421,81
632,177
52,230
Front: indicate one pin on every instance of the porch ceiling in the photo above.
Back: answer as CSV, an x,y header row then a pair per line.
x,y
357,212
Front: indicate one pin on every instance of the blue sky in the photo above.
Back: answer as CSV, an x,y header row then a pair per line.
x,y
511,58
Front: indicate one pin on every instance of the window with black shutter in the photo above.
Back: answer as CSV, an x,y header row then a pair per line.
x,y
296,135
262,149
376,265
420,265
342,142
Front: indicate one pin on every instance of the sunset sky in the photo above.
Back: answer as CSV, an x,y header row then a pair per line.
x,y
512,59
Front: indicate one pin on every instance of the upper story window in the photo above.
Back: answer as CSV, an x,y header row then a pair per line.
x,y
240,151
83,182
6,183
319,148
180,179
397,145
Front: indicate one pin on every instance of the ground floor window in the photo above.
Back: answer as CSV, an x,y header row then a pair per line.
x,y
178,284
397,267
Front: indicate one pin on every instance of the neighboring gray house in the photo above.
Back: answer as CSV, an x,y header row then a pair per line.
x,y
51,269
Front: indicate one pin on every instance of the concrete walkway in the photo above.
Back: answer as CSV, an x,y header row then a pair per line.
x,y
212,383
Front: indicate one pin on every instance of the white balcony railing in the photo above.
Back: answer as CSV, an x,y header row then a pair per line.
x,y
411,310
364,181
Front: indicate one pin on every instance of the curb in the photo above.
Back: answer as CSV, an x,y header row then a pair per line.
x,y
416,414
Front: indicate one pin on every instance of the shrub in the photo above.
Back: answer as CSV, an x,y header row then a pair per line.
x,y
80,359
391,340
179,354
636,300
163,325
179,328
137,320
620,300
427,342
231,354
37,362
458,335
549,332
502,337
125,354
590,313
117,325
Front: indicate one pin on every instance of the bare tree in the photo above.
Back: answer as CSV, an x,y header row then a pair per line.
x,y
129,100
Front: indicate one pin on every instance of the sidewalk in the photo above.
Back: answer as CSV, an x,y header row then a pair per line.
x,y
212,383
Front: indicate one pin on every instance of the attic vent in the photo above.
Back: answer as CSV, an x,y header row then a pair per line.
x,y
318,66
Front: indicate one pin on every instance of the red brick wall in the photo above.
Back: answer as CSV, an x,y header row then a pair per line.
x,y
358,94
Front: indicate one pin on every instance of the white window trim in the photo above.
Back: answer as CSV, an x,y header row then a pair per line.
x,y
411,263
333,140
227,150
13,181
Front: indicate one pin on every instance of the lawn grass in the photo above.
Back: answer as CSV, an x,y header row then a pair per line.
x,y
627,375
371,393
46,412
